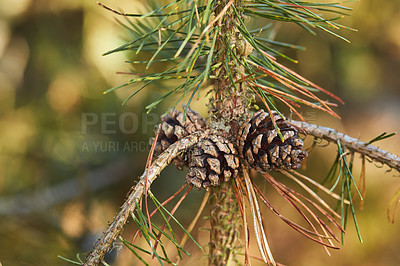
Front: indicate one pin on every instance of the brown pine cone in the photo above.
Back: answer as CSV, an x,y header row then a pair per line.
x,y
212,161
173,128
262,148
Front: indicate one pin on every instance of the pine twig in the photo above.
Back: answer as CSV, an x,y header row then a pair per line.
x,y
352,144
104,244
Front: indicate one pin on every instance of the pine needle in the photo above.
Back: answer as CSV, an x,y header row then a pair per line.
x,y
148,163
318,185
156,210
257,221
290,196
68,260
362,183
195,219
175,220
311,192
166,220
382,136
242,206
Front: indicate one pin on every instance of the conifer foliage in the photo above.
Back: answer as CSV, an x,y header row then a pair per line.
x,y
229,46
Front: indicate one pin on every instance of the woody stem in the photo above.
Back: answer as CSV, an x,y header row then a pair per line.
x,y
104,244
350,143
228,109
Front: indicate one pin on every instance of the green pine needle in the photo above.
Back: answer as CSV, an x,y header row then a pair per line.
x,y
173,239
174,34
142,225
70,261
176,221
131,247
382,136
345,176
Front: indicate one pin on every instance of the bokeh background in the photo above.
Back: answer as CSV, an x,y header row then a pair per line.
x,y
69,154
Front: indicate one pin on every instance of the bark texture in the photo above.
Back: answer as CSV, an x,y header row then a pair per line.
x,y
352,144
225,222
228,109
104,244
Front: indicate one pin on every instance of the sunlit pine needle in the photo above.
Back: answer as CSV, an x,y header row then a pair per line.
x,y
257,221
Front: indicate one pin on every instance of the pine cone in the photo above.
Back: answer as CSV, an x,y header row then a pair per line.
x,y
173,128
212,161
262,148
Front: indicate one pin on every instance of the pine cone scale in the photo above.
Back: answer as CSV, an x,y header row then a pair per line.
x,y
262,148
214,165
232,161
173,128
198,160
220,162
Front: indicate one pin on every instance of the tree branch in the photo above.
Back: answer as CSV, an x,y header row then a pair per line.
x,y
104,244
352,144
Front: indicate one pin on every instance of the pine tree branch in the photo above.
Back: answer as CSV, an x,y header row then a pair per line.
x,y
352,144
104,244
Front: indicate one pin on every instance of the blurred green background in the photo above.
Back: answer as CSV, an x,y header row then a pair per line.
x,y
69,154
